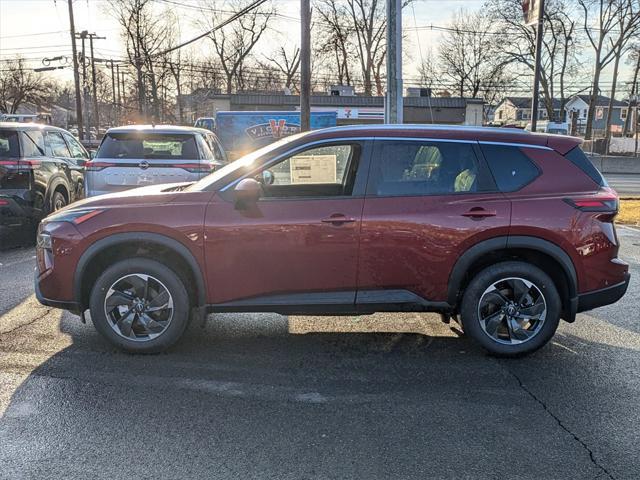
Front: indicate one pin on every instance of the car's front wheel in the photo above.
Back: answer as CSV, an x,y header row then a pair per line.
x,y
140,305
511,308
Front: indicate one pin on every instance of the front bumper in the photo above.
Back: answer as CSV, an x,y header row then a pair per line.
x,y
71,306
605,296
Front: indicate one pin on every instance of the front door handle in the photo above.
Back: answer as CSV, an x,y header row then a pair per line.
x,y
338,219
478,212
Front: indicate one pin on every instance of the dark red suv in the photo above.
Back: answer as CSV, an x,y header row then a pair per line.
x,y
510,231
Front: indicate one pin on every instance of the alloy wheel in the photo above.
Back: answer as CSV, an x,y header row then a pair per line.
x,y
138,307
512,311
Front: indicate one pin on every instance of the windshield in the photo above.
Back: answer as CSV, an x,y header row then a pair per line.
x,y
245,162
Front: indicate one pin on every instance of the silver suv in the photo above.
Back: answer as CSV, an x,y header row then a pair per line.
x,y
140,155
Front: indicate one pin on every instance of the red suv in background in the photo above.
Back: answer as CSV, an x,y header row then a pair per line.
x,y
509,230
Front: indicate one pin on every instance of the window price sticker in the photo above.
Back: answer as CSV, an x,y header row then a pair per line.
x,y
313,169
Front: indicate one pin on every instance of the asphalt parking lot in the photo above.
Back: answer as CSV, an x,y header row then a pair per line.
x,y
243,397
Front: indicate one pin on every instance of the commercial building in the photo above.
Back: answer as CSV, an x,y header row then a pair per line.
x,y
351,109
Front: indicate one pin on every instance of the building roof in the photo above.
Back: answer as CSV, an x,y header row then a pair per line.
x,y
601,101
350,101
525,102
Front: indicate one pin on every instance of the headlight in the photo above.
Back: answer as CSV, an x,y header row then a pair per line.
x,y
44,240
74,216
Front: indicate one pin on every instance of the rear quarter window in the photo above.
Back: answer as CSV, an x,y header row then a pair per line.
x,y
580,160
510,167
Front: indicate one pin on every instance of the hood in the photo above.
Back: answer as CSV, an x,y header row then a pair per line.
x,y
152,194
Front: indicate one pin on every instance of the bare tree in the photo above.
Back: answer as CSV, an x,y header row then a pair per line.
x,y
145,33
234,43
369,21
559,45
634,59
19,84
467,55
334,37
287,64
609,25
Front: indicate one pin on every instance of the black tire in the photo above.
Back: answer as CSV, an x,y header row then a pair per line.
x,y
471,321
169,279
58,201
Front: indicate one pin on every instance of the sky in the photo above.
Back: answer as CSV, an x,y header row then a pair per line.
x,y
37,29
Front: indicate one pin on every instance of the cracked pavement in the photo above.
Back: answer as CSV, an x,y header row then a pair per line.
x,y
244,397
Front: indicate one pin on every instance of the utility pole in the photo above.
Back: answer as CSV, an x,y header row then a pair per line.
x,y
305,66
393,105
85,88
76,73
536,71
114,102
96,119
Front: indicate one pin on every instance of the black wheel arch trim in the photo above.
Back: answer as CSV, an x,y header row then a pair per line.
x,y
96,247
484,247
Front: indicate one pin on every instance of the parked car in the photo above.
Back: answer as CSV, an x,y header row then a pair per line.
x,y
509,230
208,123
557,128
138,155
41,171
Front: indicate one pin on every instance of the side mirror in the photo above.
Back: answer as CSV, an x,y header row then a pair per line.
x,y
268,177
246,193
92,154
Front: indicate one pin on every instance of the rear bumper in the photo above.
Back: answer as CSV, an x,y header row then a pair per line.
x,y
605,296
15,211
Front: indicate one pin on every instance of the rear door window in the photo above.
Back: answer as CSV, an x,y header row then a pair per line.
x,y
510,167
55,145
413,168
150,146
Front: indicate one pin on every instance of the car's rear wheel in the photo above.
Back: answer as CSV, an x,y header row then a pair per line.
x,y
58,201
140,305
511,308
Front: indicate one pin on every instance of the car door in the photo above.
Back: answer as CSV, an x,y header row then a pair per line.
x,y
298,245
76,161
426,203
57,154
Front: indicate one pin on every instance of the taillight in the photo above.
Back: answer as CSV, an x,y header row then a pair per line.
x,y
20,165
201,167
605,200
92,166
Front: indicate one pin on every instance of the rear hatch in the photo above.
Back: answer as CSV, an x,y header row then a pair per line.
x,y
14,174
133,159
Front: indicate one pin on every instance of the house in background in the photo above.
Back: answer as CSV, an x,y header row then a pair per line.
x,y
578,105
517,110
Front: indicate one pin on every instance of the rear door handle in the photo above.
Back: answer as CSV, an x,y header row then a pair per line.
x,y
479,213
338,219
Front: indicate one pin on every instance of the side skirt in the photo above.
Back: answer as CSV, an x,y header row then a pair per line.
x,y
364,302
